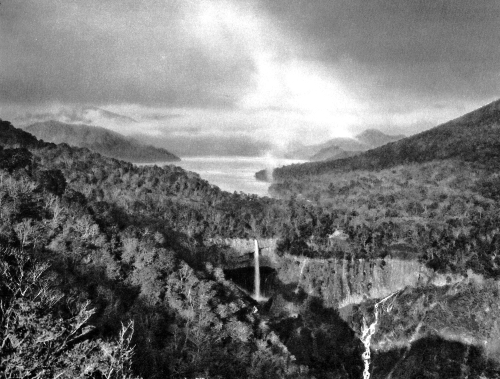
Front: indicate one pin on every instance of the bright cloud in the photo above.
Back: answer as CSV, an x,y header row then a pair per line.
x,y
274,71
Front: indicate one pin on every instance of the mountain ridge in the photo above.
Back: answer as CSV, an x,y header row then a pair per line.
x,y
343,147
82,115
101,140
473,137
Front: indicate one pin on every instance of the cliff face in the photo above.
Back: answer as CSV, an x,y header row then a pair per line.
x,y
343,282
444,324
239,252
337,282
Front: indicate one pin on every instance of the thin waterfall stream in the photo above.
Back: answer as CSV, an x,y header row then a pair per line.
x,y
304,263
368,331
257,295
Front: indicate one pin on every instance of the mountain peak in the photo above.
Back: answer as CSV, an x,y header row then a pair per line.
x,y
376,138
370,132
106,114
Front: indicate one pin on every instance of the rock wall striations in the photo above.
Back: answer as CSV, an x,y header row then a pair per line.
x,y
341,282
338,282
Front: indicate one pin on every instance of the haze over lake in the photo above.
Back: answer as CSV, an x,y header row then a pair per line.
x,y
233,173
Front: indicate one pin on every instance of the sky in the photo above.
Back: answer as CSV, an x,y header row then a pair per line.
x,y
269,72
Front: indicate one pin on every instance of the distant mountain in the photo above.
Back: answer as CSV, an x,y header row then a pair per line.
x,y
334,152
89,115
196,144
376,138
338,148
100,140
99,113
474,137
309,151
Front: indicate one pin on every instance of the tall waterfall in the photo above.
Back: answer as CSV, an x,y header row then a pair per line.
x,y
257,272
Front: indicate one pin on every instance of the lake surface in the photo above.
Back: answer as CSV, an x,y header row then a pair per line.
x,y
233,173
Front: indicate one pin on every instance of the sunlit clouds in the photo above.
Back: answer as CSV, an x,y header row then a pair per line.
x,y
301,90
284,96
273,73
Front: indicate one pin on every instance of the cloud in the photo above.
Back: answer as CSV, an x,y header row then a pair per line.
x,y
111,52
264,70
413,48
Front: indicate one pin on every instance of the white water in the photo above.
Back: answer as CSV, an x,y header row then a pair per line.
x,y
300,275
257,295
232,173
366,335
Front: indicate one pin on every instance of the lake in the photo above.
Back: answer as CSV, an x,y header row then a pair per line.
x,y
233,173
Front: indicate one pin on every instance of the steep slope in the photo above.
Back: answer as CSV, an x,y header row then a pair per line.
x,y
100,140
474,137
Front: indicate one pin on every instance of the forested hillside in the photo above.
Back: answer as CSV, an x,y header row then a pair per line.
x,y
433,196
474,137
100,140
87,246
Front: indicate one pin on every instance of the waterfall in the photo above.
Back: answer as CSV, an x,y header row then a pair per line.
x,y
366,335
304,263
257,272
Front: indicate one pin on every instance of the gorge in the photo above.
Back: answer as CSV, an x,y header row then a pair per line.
x,y
249,189
370,297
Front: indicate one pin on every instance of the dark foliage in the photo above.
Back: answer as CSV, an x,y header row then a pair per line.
x,y
114,235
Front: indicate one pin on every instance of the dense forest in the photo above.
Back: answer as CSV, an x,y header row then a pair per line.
x,y
433,196
86,247
108,270
129,245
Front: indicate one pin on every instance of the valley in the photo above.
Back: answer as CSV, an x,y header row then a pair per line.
x,y
173,256
249,189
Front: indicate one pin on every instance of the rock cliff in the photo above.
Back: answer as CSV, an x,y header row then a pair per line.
x,y
443,324
337,282
239,252
342,282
